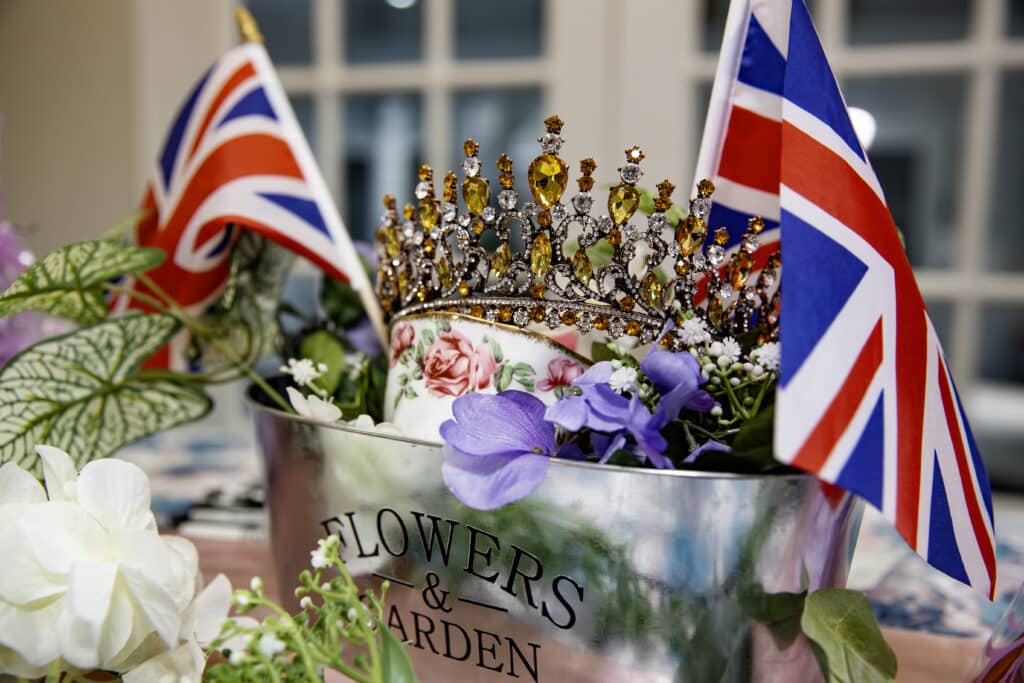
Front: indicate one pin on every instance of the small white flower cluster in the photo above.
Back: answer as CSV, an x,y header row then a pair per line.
x,y
726,354
319,558
305,372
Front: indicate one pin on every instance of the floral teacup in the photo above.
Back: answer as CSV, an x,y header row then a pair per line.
x,y
436,358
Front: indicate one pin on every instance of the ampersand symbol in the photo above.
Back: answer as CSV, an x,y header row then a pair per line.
x,y
434,598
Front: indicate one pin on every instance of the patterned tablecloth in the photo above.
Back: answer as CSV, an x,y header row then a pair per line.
x,y
207,483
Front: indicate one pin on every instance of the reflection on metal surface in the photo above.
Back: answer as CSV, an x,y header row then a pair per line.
x,y
603,574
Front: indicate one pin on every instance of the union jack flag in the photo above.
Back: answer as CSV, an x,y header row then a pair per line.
x,y
865,399
235,157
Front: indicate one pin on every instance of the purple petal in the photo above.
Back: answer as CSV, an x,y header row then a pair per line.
x,y
598,407
364,337
606,446
486,482
570,451
668,370
508,423
709,445
598,373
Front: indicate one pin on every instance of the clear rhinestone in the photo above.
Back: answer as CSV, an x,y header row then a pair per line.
x,y
551,142
749,295
767,278
604,224
464,220
647,335
396,262
585,323
716,255
491,313
435,234
673,249
418,238
422,189
558,213
656,221
750,243
489,214
552,317
700,207
630,173
617,327
530,209
520,317
408,230
448,211
471,167
385,219
725,292
629,232
507,199
698,261
582,202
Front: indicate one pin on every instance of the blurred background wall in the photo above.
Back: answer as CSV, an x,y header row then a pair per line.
x,y
88,88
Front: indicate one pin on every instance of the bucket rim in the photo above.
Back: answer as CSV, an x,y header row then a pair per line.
x,y
555,462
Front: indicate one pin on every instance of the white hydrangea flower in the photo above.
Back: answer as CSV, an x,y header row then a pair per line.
x,y
730,349
693,332
87,578
313,407
623,379
303,371
767,355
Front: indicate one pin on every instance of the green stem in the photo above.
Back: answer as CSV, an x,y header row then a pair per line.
x,y
737,406
53,675
690,441
226,351
760,396
297,633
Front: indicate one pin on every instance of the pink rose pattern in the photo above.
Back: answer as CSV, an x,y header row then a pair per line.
x,y
401,339
452,365
561,373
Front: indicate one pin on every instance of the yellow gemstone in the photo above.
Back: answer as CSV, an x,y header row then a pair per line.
x,y
568,318
691,234
538,290
403,284
739,269
667,339
476,193
421,294
633,328
614,237
391,243
500,260
623,201
537,313
444,272
682,268
581,266
601,322
722,236
428,246
540,255
428,213
506,313
477,311
478,226
628,303
463,289
714,310
548,176
650,289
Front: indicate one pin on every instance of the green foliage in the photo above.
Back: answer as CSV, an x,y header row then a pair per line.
x,y
753,442
339,628
846,637
82,392
323,347
70,282
340,303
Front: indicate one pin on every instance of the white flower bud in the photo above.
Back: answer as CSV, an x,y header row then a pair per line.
x,y
306,602
256,584
716,411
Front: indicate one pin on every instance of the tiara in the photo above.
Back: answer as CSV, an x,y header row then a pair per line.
x,y
570,268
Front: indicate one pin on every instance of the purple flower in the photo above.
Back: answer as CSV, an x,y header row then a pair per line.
x,y
709,445
677,377
592,404
497,449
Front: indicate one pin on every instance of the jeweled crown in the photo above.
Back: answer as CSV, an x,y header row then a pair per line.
x,y
572,269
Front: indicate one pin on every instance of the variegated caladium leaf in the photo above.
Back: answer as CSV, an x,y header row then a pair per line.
x,y
83,392
69,281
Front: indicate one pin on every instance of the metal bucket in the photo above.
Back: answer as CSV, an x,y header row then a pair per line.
x,y
603,574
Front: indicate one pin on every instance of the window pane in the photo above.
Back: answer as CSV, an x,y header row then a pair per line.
x,y
304,112
891,21
1016,17
997,404
497,28
383,149
714,14
286,29
1006,229
917,156
502,122
379,31
941,314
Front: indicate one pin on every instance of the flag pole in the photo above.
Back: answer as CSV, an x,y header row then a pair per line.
x,y
250,32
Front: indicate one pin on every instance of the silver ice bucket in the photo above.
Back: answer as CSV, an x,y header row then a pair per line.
x,y
603,574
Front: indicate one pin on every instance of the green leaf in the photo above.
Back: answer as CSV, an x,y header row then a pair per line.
x,y
780,612
847,640
428,337
82,392
69,282
394,660
324,347
599,351
504,377
341,303
754,440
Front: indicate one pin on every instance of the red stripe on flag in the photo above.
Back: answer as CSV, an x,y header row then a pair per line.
x,y
245,71
834,421
981,530
806,163
752,143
